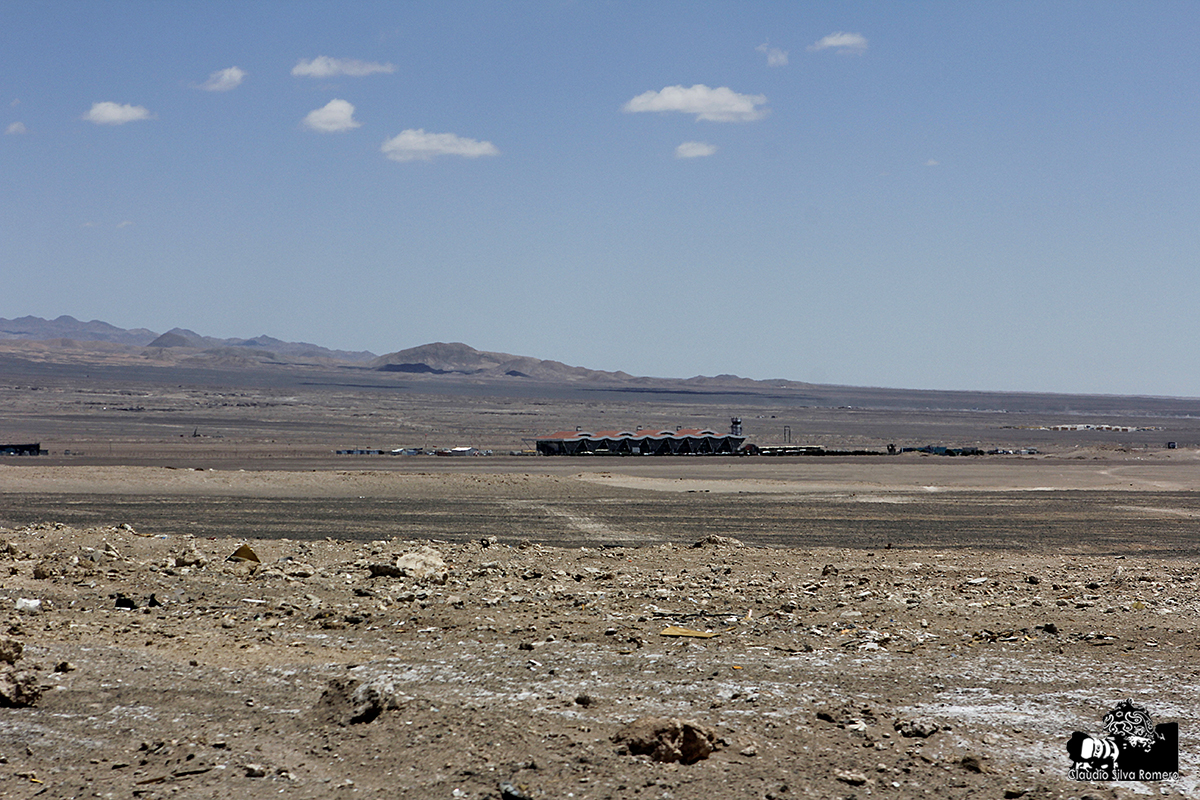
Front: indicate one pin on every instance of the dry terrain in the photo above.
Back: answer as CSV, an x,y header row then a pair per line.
x,y
423,627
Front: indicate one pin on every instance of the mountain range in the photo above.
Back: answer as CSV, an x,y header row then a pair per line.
x,y
67,327
458,368
436,359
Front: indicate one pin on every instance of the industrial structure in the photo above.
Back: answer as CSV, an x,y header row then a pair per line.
x,y
34,449
644,442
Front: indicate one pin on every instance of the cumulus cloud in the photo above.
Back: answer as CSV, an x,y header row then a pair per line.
x,y
417,145
223,80
334,117
16,128
695,150
326,67
116,114
775,56
716,105
853,43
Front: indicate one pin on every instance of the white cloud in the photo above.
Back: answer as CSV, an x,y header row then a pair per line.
x,y
695,150
326,67
16,128
114,114
124,224
417,145
932,163
853,43
716,105
223,80
334,117
775,56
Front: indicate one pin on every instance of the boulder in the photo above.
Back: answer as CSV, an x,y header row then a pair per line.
x,y
667,740
18,688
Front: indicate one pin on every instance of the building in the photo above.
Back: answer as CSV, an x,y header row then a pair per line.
x,y
34,449
648,442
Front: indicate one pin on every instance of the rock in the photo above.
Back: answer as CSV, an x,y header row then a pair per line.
x,y
190,557
425,565
255,771
10,649
298,569
718,541
919,728
851,777
18,688
28,605
667,740
372,698
971,764
385,570
10,550
510,792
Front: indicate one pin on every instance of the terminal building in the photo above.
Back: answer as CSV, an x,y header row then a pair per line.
x,y
643,442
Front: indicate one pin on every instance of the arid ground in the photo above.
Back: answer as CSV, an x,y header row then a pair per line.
x,y
425,627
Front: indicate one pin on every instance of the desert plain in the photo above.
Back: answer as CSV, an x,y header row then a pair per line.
x,y
514,626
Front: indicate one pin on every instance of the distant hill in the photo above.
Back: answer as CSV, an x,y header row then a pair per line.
x,y
456,358
65,327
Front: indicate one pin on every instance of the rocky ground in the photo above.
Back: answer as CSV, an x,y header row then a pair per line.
x,y
149,665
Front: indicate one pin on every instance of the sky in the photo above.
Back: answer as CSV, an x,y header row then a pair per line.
x,y
926,195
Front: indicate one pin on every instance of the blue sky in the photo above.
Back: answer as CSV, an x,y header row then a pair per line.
x,y
975,195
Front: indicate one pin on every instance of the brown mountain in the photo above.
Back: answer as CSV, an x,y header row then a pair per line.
x,y
456,358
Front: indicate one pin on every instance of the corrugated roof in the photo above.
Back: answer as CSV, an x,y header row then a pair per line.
x,y
648,433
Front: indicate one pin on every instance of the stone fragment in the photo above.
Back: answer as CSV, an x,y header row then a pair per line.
x,y
714,540
298,569
509,791
851,777
190,557
667,740
10,649
346,700
971,764
916,728
425,565
18,688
